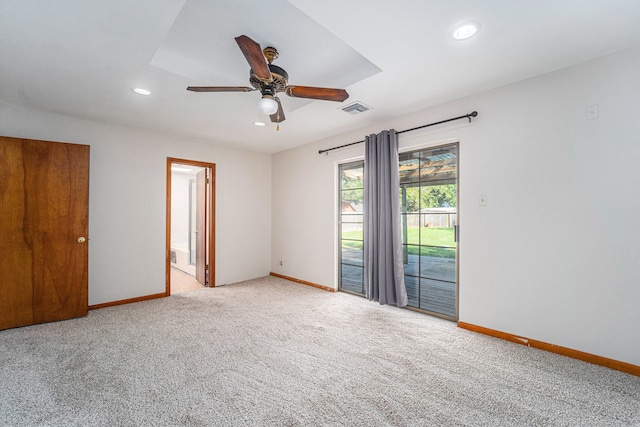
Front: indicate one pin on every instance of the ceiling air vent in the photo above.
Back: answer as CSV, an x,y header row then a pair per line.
x,y
355,108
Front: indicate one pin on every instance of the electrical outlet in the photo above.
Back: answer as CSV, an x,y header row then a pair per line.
x,y
482,200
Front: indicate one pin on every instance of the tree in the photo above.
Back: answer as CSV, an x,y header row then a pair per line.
x,y
432,196
352,191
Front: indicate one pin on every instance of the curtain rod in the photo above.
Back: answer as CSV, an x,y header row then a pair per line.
x,y
466,116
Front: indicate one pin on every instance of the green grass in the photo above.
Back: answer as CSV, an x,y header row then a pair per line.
x,y
431,236
443,238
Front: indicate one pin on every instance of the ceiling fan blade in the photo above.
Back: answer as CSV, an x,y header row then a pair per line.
x,y
323,93
278,116
219,89
253,53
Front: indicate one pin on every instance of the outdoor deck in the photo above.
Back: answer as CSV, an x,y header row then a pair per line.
x,y
432,289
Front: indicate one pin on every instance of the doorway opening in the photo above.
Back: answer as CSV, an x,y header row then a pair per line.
x,y
190,251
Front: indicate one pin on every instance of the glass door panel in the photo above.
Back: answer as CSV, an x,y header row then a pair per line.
x,y
428,187
351,228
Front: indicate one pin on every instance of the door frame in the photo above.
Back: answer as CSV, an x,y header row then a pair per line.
x,y
211,219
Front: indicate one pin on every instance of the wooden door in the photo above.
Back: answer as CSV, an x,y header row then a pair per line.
x,y
201,227
44,215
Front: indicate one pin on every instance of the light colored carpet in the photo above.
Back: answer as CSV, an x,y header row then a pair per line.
x,y
273,352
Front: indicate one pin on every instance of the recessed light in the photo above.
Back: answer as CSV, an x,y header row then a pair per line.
x,y
141,91
259,123
465,30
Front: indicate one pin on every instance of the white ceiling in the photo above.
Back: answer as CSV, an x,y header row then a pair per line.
x,y
81,58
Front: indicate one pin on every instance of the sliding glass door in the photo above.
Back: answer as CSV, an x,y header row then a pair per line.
x,y
428,196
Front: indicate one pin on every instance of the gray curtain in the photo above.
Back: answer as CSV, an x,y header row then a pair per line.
x,y
383,263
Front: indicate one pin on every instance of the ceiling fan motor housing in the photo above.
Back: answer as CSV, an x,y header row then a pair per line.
x,y
279,75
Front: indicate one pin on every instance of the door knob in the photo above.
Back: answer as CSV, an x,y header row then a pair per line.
x,y
81,239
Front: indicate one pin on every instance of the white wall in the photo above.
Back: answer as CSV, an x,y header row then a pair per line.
x,y
553,257
127,204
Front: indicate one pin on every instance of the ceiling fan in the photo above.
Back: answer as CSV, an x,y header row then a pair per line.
x,y
270,80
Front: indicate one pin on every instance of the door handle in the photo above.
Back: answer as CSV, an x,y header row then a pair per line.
x,y
81,239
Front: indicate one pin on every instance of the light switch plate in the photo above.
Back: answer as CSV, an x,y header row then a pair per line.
x,y
592,112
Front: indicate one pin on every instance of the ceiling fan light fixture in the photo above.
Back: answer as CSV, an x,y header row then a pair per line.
x,y
267,105
465,30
